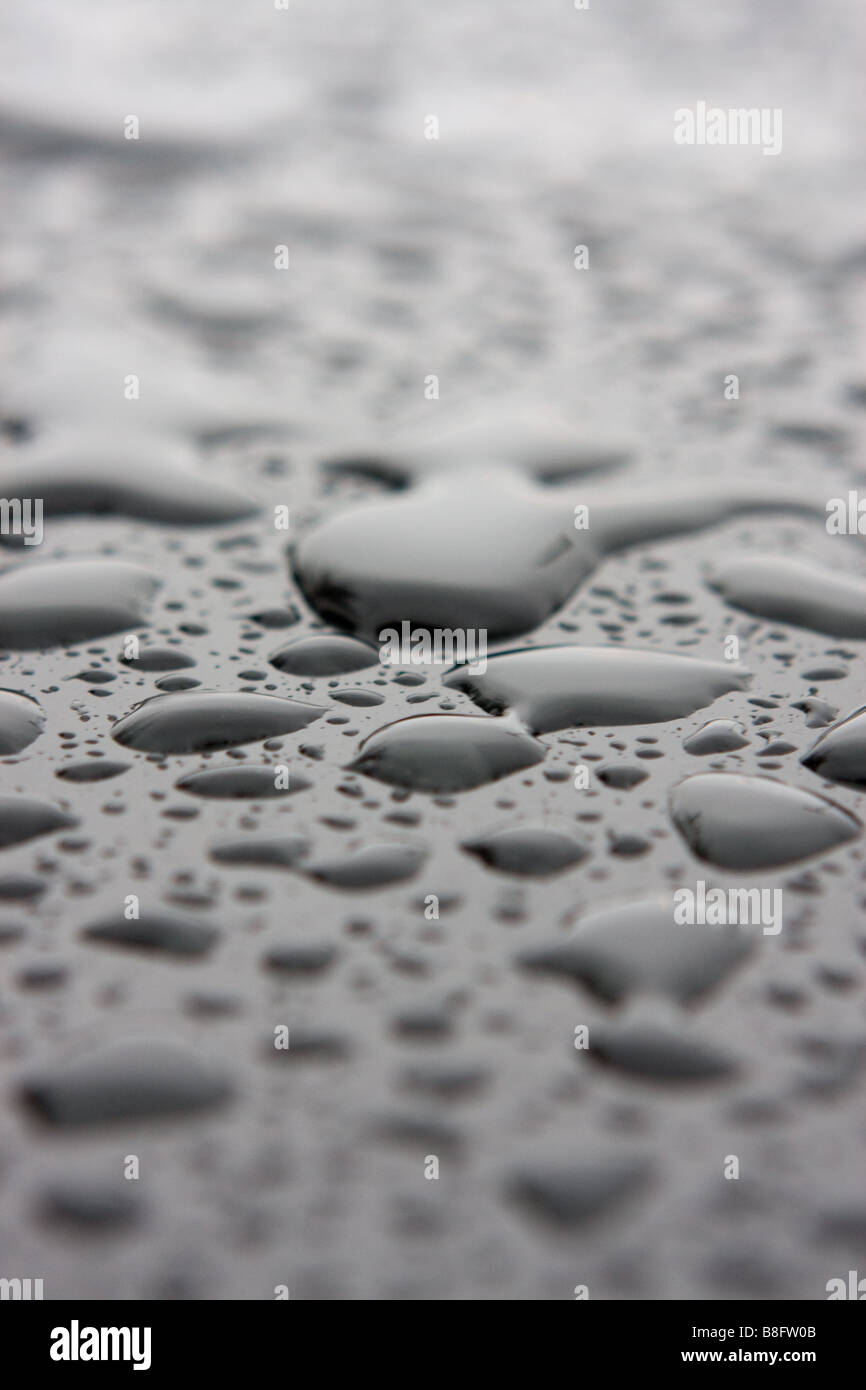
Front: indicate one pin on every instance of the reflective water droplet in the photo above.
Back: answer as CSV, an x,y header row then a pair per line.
x,y
21,721
653,1052
792,591
527,850
446,752
68,601
564,687
638,948
621,777
139,487
840,753
92,770
158,659
324,656
22,818
373,867
740,822
301,958
242,781
210,719
575,1194
717,736
129,1080
282,853
481,546
155,931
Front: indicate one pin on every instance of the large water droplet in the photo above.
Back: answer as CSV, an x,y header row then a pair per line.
x,y
128,1080
155,931
562,687
638,948
840,753
139,487
446,753
532,851
792,591
481,546
50,605
22,818
194,722
654,1052
740,822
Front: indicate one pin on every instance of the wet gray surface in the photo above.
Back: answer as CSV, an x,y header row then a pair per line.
x,y
309,907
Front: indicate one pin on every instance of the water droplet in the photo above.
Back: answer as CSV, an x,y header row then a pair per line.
x,y
563,687
128,1080
324,656
139,487
52,605
373,867
446,752
637,947
210,719
22,819
840,753
792,591
92,770
243,781
653,1052
21,721
158,659
155,931
576,1194
717,736
301,958
482,546
282,853
621,777
740,822
527,850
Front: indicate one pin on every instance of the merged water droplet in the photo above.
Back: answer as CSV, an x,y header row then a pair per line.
x,y
129,1080
563,687
793,591
21,721
840,753
446,752
637,948
479,545
740,822
22,818
50,605
531,851
193,722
